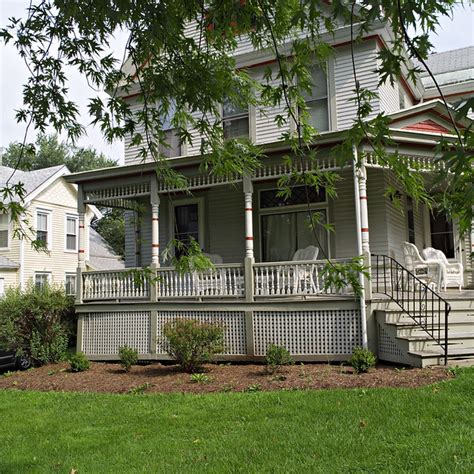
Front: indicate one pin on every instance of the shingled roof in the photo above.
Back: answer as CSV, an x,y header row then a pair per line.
x,y
450,61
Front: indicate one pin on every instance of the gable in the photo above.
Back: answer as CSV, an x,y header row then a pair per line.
x,y
428,125
61,193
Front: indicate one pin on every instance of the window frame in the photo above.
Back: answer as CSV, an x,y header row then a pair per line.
x,y
9,233
48,275
293,208
239,116
49,222
76,218
201,227
73,275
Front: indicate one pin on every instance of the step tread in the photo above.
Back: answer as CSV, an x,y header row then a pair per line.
x,y
436,352
423,337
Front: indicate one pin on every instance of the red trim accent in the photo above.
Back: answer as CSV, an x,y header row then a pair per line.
x,y
427,126
248,209
81,251
364,229
155,246
419,112
81,227
363,197
248,238
155,219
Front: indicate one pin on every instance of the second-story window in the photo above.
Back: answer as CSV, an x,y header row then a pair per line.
x,y
71,233
4,231
172,145
317,100
43,231
235,120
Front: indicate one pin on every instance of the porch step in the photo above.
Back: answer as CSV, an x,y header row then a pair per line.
x,y
436,357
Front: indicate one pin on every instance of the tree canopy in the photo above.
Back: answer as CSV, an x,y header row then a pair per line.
x,y
189,75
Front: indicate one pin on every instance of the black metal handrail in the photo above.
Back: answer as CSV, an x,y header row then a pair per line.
x,y
420,302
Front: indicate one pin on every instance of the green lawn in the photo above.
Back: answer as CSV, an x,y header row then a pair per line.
x,y
377,430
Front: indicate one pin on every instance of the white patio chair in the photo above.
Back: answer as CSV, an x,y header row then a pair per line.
x,y
210,282
452,272
428,271
304,277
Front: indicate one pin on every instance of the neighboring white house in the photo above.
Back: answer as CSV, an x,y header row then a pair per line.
x,y
51,216
258,290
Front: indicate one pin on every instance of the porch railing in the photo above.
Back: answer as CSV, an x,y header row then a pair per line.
x,y
418,300
222,281
115,285
296,278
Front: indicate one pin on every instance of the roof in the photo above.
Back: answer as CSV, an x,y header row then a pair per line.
x,y
31,180
450,61
101,255
6,263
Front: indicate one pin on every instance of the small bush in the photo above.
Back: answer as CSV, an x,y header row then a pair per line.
x,y
79,362
276,357
362,360
192,343
37,323
200,378
128,357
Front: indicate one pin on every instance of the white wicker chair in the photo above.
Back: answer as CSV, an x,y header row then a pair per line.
x,y
210,282
429,272
452,272
304,277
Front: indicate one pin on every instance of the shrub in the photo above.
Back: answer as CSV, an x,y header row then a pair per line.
x,y
200,378
192,343
362,360
276,357
79,362
37,323
128,357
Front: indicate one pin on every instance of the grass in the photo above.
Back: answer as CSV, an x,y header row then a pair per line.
x,y
430,430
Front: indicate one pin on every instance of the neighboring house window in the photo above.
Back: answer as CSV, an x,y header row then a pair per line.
x,y
71,233
235,120
442,235
317,100
4,230
43,227
70,283
410,220
172,145
42,279
285,225
2,286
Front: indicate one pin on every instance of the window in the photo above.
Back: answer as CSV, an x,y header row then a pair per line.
x,y
186,223
285,223
2,287
235,120
4,231
70,283
42,279
71,233
317,100
442,236
172,145
410,220
43,232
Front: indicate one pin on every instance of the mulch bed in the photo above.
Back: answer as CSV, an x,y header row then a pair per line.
x,y
108,377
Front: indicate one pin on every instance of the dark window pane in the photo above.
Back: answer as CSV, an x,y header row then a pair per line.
x,y
411,221
442,237
186,223
270,198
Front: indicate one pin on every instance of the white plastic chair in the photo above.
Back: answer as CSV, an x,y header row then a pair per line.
x,y
428,271
303,276
452,272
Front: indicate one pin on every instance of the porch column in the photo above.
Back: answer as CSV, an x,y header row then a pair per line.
x,y
138,240
249,255
81,243
155,225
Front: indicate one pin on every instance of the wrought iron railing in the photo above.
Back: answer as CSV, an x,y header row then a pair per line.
x,y
415,297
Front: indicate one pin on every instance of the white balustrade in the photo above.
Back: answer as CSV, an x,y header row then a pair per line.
x,y
300,278
114,285
221,281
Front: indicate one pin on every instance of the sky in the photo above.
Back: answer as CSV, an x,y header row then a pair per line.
x,y
452,34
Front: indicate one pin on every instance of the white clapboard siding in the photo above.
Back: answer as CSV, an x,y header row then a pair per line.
x,y
365,59
267,130
132,152
376,203
389,97
194,148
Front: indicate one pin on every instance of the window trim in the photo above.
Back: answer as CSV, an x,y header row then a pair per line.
x,y
9,233
323,205
49,276
238,116
76,218
49,213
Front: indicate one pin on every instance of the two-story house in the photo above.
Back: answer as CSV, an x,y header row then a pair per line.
x,y
267,286
51,216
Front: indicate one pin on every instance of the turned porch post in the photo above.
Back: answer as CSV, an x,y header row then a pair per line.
x,y
249,255
155,234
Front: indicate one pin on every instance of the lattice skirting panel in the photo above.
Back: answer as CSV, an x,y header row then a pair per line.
x,y
325,332
104,333
233,322
388,347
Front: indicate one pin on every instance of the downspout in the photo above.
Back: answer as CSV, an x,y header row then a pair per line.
x,y
357,194
22,258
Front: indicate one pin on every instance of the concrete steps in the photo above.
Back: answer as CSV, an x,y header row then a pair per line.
x,y
402,340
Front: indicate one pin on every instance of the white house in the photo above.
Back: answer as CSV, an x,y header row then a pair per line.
x,y
51,215
269,278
